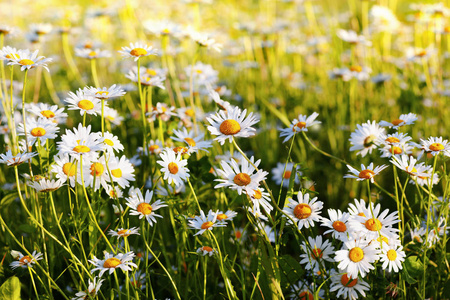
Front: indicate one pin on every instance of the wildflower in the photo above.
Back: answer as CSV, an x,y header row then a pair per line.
x,y
347,287
321,250
15,160
28,60
40,129
194,143
256,212
395,139
204,40
405,119
231,123
304,212
111,142
161,110
338,224
408,164
226,216
358,208
241,178
123,232
111,262
399,149
91,53
305,291
85,103
173,167
45,185
121,170
9,53
279,174
141,206
93,288
357,257
352,37
137,51
204,222
261,199
300,124
25,261
105,93
364,138
154,147
49,112
392,257
81,143
366,172
436,145
147,80
206,250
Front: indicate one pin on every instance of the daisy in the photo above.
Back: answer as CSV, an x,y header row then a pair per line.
x,y
206,250
304,212
141,206
261,199
112,116
123,232
25,261
45,185
216,97
338,224
147,80
358,208
111,142
203,222
173,167
352,37
40,129
9,53
226,216
121,170
424,176
41,28
111,262
405,119
137,51
204,40
161,110
154,147
408,164
357,257
315,251
396,150
66,168
364,137
436,145
256,212
392,257
395,139
279,174
83,102
305,291
47,111
366,172
347,287
98,174
300,124
171,190
15,160
28,60
91,53
104,93
81,143
231,123
93,288
114,193
360,73
241,178
194,143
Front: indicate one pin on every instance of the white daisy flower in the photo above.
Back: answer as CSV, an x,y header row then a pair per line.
x,y
40,129
203,222
28,60
124,232
194,143
231,123
81,143
305,291
47,111
45,185
85,103
67,168
241,178
436,145
347,287
141,206
90,53
105,93
9,53
392,258
111,142
25,261
338,224
15,160
352,37
112,116
317,250
206,250
423,176
226,216
256,212
395,139
111,262
300,124
261,199
358,208
408,164
93,288
279,174
366,172
137,51
399,149
357,257
154,147
304,212
114,193
173,167
121,170
98,174
364,138
147,80
405,119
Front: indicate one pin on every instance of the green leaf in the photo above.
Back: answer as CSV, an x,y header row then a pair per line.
x,y
27,228
414,266
408,277
10,290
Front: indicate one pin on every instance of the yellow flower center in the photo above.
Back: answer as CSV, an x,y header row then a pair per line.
x,y
189,112
97,169
339,226
190,142
48,114
123,232
392,140
368,141
397,121
299,125
182,150
151,72
116,173
173,168
361,214
242,179
422,53
221,217
86,104
109,142
366,174
356,254
238,234
206,248
207,225
392,255
38,131
317,253
346,281
144,208
356,69
302,211
373,225
436,147
138,52
111,263
27,258
153,148
305,295
92,54
26,62
81,149
287,175
102,93
230,127
397,150
257,194
69,169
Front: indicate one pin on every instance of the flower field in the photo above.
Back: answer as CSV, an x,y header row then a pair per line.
x,y
216,149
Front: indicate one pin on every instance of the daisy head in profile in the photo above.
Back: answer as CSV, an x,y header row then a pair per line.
x,y
436,145
204,222
405,119
27,60
124,232
366,173
206,251
105,92
137,50
25,261
111,262
231,123
302,123
348,287
93,288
